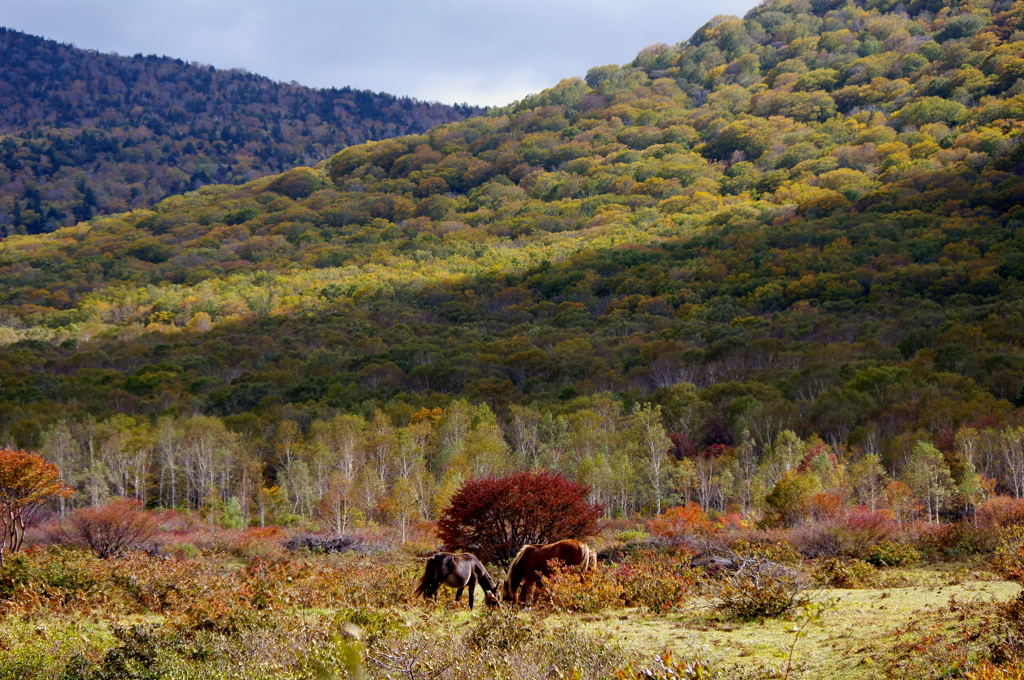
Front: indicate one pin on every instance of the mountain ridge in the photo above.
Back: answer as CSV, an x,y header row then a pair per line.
x,y
90,133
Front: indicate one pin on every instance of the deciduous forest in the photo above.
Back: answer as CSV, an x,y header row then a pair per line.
x,y
84,133
777,261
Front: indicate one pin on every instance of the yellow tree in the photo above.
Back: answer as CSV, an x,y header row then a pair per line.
x,y
26,482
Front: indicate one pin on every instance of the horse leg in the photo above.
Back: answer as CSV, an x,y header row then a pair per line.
x,y
458,594
472,587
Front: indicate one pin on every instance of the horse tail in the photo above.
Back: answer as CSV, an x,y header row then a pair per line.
x,y
426,580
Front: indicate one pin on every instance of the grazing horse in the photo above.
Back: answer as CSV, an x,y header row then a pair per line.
x,y
456,571
534,563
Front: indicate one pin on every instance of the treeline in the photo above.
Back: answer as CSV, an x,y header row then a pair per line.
x,y
84,133
345,471
720,229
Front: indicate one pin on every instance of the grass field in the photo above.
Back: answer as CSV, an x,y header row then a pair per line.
x,y
65,615
862,630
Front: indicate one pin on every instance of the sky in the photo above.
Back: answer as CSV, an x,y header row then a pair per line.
x,y
453,51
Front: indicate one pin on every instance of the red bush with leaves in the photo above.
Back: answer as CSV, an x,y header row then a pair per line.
x,y
681,522
494,517
113,528
1000,511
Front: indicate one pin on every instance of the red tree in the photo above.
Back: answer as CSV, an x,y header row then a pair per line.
x,y
494,517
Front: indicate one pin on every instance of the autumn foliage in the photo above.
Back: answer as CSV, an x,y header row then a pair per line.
x,y
494,517
113,528
680,522
26,482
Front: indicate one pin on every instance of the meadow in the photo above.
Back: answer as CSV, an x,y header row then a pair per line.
x,y
208,602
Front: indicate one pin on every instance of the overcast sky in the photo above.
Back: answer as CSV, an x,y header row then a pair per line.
x,y
476,51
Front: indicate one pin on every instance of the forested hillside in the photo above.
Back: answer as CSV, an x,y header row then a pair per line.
x,y
84,133
789,248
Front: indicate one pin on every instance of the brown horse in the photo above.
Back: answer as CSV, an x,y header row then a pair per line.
x,y
534,562
456,571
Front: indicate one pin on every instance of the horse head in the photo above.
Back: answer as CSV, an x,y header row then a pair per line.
x,y
506,591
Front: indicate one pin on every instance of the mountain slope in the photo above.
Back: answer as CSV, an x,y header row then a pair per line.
x,y
809,218
85,133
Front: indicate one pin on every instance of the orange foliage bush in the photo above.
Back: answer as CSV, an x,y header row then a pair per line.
x,y
113,528
1000,511
681,522
260,542
570,590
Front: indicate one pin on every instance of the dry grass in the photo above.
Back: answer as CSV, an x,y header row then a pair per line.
x,y
867,630
224,617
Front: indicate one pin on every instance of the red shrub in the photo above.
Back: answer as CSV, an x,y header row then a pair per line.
x,y
680,522
113,528
496,516
1000,511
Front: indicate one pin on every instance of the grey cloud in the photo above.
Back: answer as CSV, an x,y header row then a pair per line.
x,y
479,51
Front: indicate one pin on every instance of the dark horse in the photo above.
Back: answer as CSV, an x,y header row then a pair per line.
x,y
534,563
456,571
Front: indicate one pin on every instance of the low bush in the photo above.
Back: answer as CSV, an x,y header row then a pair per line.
x,y
945,541
772,548
656,582
890,554
851,535
667,667
51,570
1000,512
682,522
761,588
113,528
990,671
503,628
1008,560
570,590
837,573
265,543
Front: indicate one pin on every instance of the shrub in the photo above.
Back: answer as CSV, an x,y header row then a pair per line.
x,y
891,554
862,529
56,574
761,589
1009,558
494,517
503,628
780,551
113,528
570,590
656,582
136,657
159,585
951,540
1000,512
990,671
375,625
668,668
836,573
851,535
681,522
260,543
